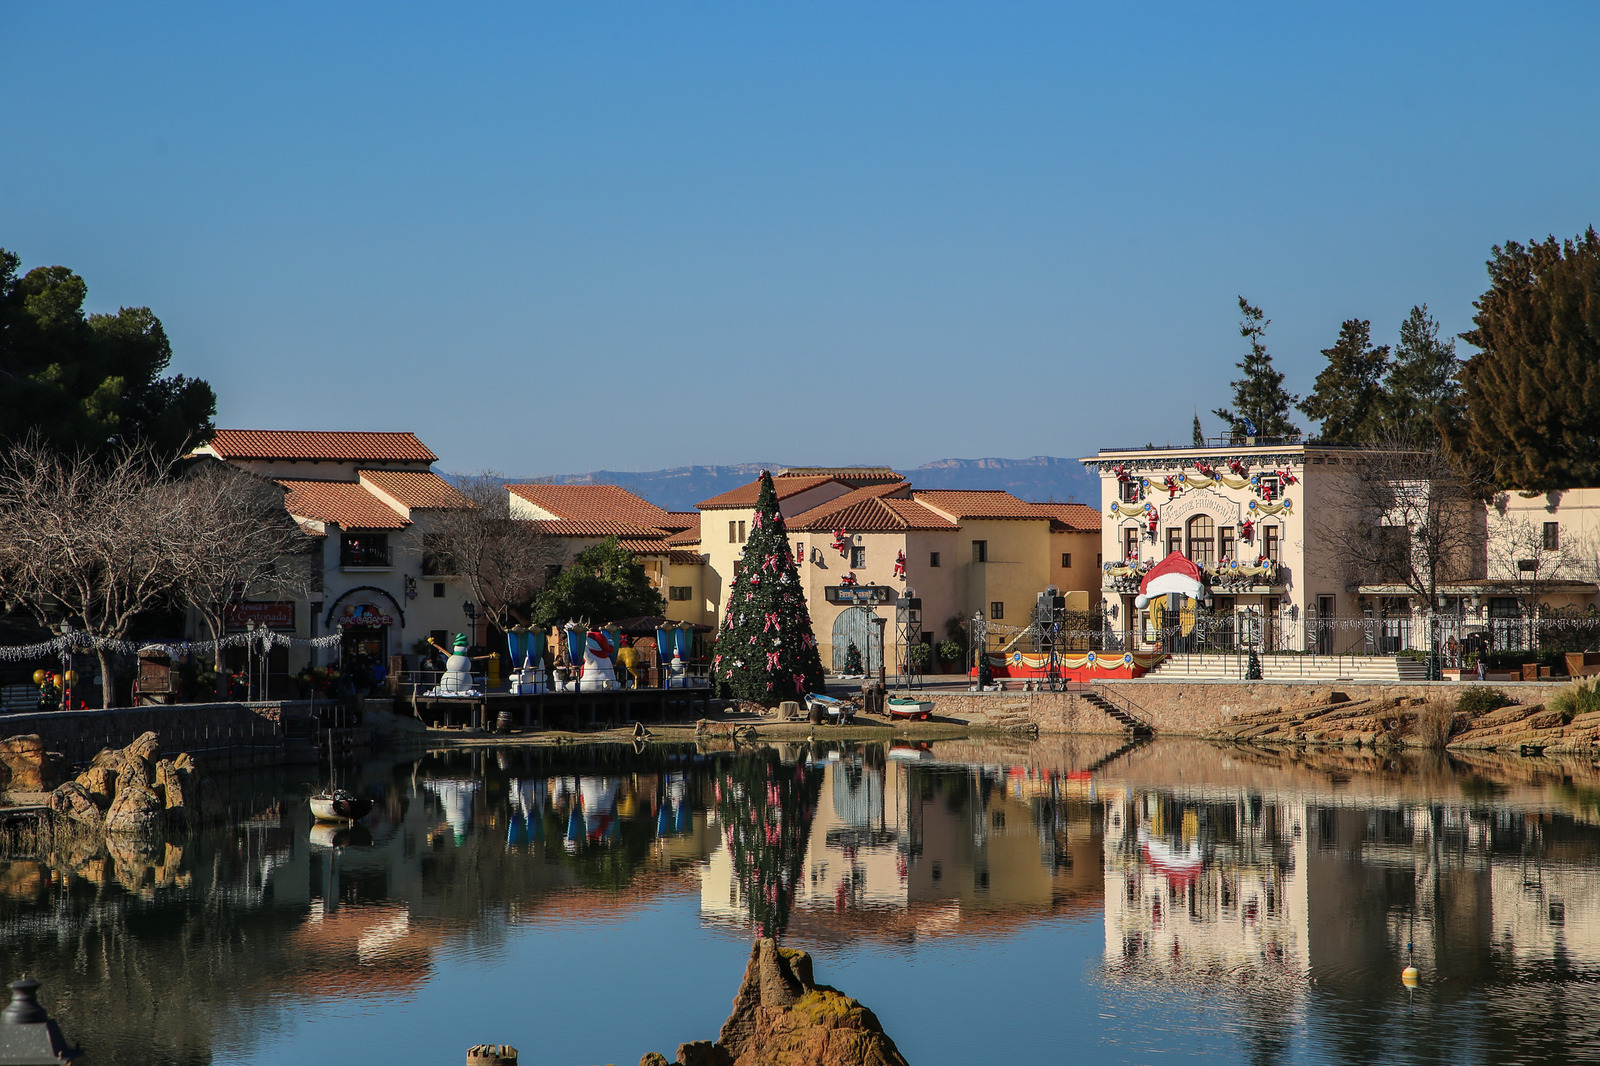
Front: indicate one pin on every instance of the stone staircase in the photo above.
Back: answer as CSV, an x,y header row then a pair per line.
x,y
1118,707
1312,669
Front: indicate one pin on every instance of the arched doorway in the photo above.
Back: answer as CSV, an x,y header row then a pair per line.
x,y
855,624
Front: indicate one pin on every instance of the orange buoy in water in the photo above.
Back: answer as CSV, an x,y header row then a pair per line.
x,y
1410,977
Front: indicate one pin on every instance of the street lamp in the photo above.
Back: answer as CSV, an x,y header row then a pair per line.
x,y
470,609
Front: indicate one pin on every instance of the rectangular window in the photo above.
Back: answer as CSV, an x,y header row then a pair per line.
x,y
980,551
438,590
1269,543
681,592
1130,544
858,558
741,532
1225,542
1552,536
1129,491
441,637
733,532
933,560
997,610
1269,488
1097,562
1174,539
1066,560
364,549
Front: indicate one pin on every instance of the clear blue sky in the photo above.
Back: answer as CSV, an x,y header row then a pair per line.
x,y
564,237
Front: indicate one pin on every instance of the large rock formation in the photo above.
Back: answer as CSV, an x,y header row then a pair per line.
x,y
26,767
133,790
782,1017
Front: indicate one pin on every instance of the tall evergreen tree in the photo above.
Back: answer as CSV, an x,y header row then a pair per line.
x,y
766,650
1199,435
1259,398
1422,394
1348,397
1532,392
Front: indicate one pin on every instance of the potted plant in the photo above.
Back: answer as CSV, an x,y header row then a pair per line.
x,y
949,654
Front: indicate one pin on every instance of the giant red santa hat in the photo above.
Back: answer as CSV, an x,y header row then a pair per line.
x,y
1172,574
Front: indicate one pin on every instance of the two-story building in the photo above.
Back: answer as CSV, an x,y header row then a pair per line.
x,y
368,499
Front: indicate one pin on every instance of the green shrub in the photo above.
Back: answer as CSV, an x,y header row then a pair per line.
x,y
949,651
1580,697
1480,699
917,656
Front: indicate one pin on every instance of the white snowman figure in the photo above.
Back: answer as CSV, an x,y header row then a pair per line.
x,y
457,668
597,672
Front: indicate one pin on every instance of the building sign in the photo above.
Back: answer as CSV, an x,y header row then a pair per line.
x,y
364,616
271,615
850,595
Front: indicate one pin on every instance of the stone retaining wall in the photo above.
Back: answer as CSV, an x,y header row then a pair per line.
x,y
221,733
1189,708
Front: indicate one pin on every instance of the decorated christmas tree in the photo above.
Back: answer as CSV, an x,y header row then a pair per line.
x,y
765,809
765,649
852,660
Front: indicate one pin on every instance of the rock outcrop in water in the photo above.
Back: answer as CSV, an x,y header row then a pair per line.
x,y
133,791
782,1017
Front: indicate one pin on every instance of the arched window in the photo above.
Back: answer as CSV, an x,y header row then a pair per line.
x,y
1202,540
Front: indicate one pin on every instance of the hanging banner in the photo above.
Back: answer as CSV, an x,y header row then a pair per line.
x,y
272,615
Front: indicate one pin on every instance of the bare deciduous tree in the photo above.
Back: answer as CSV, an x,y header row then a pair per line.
x,y
87,539
502,560
240,544
1521,554
1415,521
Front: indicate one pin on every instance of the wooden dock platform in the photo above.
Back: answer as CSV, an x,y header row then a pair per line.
x,y
559,710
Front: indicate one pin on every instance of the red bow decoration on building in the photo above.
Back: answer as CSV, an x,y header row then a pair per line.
x,y
900,565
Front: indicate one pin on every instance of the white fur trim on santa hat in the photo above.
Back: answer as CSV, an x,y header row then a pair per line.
x,y
1172,574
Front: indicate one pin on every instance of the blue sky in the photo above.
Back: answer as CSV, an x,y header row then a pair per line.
x,y
559,238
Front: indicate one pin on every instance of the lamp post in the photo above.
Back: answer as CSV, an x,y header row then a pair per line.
x,y
66,665
470,609
250,660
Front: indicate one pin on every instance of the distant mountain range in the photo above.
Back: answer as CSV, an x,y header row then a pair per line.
x,y
1044,477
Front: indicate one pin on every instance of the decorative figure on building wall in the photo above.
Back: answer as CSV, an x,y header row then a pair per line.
x,y
1238,468
900,566
1153,519
848,579
841,542
1247,530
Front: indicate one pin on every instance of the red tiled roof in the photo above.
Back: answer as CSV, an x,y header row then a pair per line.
x,y
678,521
859,512
977,503
343,502
689,535
596,528
917,516
855,476
416,489
334,446
594,503
1074,516
746,495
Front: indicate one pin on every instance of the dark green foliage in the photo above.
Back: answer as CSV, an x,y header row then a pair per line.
x,y
852,659
1199,435
949,651
1258,394
605,583
1480,699
766,650
765,809
1532,393
1348,397
81,382
1422,394
1253,669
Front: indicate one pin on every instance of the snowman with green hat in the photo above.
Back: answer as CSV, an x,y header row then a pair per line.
x,y
457,668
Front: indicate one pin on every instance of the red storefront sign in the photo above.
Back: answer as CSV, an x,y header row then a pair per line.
x,y
275,615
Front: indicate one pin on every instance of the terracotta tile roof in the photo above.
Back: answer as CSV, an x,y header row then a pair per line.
x,y
746,495
596,528
917,516
690,535
977,503
684,557
857,511
337,446
856,476
1074,516
416,489
342,502
679,521
594,503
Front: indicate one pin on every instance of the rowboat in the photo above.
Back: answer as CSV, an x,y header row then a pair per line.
x,y
337,805
904,707
837,710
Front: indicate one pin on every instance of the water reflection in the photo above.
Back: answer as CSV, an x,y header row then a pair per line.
x,y
1270,899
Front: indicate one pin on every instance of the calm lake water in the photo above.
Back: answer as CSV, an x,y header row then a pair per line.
x,y
1054,902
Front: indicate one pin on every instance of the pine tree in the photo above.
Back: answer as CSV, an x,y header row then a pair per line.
x,y
1532,393
1348,398
1422,391
852,660
766,650
766,809
1199,435
1258,396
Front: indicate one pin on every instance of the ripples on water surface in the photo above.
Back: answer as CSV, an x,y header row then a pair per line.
x,y
1059,902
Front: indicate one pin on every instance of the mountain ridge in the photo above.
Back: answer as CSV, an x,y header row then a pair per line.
x,y
680,488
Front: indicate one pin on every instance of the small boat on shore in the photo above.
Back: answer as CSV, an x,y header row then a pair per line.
x,y
337,805
909,709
